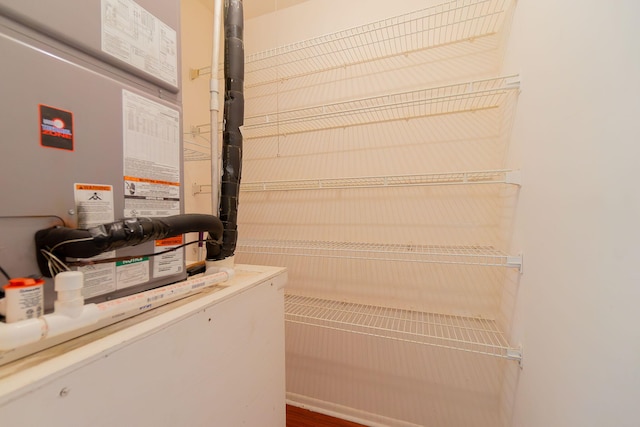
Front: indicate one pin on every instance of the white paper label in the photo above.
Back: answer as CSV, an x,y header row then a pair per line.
x,y
132,272
151,138
135,36
99,279
94,206
168,263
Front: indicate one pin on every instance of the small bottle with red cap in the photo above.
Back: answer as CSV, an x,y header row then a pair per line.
x,y
24,299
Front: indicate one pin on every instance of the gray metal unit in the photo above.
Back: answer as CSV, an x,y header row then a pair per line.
x,y
78,23
42,65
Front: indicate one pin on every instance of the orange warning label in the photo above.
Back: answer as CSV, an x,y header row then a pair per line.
x,y
170,241
93,187
151,181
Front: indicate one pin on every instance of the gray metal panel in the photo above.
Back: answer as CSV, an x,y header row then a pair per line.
x,y
78,23
36,180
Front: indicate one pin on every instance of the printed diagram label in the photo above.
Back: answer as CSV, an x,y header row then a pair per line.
x,y
135,36
151,137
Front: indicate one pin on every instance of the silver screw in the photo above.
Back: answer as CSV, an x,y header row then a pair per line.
x,y
71,212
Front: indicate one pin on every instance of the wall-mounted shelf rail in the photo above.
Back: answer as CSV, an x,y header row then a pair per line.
x,y
438,254
439,25
467,96
449,178
476,335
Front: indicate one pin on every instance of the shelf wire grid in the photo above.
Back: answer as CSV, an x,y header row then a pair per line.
x,y
191,155
193,149
443,24
471,334
437,254
448,178
467,96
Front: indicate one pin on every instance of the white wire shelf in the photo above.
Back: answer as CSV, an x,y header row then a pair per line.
x,y
476,335
449,178
195,146
439,25
437,254
467,96
191,154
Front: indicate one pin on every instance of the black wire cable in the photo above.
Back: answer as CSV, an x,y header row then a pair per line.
x,y
36,216
126,258
8,278
2,270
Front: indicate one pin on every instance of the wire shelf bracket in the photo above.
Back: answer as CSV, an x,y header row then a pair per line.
x,y
200,189
194,73
515,262
515,354
514,177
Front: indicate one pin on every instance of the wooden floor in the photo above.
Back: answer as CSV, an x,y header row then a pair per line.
x,y
298,417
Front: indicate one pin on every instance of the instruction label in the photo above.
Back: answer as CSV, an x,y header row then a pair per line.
x,y
152,168
151,138
94,206
132,272
168,263
99,279
135,36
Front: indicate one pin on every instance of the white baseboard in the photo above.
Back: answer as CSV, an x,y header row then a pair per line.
x,y
344,412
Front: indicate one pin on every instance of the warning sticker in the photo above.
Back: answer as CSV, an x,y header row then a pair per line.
x,y
171,262
56,128
94,204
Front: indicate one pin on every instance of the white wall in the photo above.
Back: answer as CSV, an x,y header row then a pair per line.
x,y
576,137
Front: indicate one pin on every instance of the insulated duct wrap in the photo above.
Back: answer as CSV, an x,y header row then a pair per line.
x,y
85,243
233,119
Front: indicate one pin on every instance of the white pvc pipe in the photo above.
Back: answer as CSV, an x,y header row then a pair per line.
x,y
144,301
18,334
59,324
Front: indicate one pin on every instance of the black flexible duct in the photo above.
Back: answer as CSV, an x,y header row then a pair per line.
x,y
123,233
233,119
